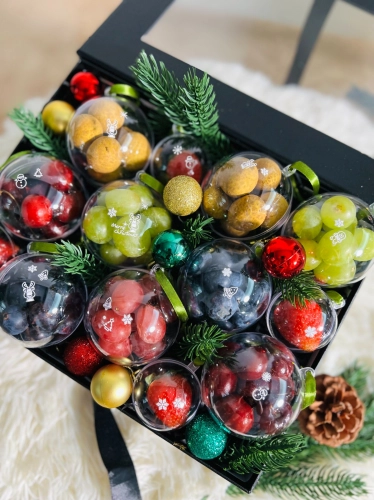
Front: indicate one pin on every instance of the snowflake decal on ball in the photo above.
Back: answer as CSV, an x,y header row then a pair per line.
x,y
162,404
266,376
179,403
127,319
32,269
227,272
339,223
264,171
310,332
177,150
112,212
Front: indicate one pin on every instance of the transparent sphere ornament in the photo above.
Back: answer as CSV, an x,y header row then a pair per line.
x,y
178,154
337,233
224,284
120,222
109,138
8,249
256,388
302,327
41,198
130,319
166,395
40,304
248,195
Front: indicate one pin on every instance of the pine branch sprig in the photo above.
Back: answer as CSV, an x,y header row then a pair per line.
x,y
195,230
40,136
298,289
269,454
357,376
201,342
313,482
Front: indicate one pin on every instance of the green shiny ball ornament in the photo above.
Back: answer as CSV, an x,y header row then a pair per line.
x,y
205,438
170,249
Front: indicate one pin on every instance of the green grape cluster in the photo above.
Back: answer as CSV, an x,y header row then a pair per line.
x,y
332,240
123,224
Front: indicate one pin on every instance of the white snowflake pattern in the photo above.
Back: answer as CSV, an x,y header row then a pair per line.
x,y
162,404
339,223
179,403
227,272
112,212
127,319
32,269
310,332
266,377
177,150
125,115
264,171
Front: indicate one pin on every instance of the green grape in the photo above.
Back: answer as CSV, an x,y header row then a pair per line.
x,y
338,212
111,255
123,201
132,236
307,223
101,198
352,227
144,259
318,238
97,225
336,247
145,195
335,275
363,242
311,252
160,219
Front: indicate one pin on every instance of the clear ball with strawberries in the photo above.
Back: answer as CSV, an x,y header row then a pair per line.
x,y
166,395
41,198
302,325
130,319
255,388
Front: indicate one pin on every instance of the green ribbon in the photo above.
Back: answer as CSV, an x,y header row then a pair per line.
x,y
151,182
14,157
41,247
124,90
310,390
308,173
171,295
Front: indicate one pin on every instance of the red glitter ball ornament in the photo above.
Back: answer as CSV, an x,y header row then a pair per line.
x,y
81,357
84,85
283,257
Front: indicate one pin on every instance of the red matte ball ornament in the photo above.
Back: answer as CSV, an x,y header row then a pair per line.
x,y
82,358
283,257
84,85
185,163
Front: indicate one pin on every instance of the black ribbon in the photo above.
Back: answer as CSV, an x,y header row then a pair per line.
x,y
116,458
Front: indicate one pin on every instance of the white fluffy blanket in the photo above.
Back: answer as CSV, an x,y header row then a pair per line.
x,y
47,446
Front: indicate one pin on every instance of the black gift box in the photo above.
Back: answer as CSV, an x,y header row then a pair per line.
x,y
250,124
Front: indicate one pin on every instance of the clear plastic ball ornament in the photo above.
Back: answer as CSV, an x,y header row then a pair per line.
x,y
302,328
130,319
41,198
166,395
256,389
121,220
248,195
40,305
337,233
178,154
109,138
8,249
224,284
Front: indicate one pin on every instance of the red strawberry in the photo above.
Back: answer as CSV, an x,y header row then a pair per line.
x,y
170,398
300,326
235,413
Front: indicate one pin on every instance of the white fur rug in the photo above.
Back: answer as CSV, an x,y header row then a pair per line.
x,y
47,445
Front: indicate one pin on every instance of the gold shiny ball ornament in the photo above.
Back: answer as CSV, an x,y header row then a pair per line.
x,y
104,155
276,206
84,129
108,112
56,116
237,177
269,174
215,202
135,149
247,213
182,195
111,386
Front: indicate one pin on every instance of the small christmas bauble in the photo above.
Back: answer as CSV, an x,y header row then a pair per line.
x,y
205,438
182,195
81,357
56,116
283,257
84,85
111,386
170,249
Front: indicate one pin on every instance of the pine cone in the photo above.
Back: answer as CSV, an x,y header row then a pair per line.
x,y
336,416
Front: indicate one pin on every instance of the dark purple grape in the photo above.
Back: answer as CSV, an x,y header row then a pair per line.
x,y
42,320
220,307
215,278
14,320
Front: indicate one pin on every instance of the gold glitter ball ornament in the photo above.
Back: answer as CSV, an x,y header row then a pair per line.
x,y
83,129
111,386
56,116
107,110
182,195
104,155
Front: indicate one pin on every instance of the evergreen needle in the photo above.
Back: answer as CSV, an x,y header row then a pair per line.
x,y
195,230
201,342
298,289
